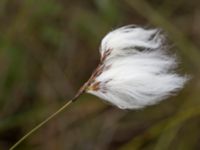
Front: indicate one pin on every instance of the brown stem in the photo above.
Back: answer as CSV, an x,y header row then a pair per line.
x,y
81,91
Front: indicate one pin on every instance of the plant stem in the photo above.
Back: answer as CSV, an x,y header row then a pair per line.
x,y
81,91
42,123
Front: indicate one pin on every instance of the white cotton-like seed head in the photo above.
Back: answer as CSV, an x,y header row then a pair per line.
x,y
135,69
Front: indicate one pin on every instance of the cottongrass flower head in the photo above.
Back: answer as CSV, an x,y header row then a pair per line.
x,y
135,71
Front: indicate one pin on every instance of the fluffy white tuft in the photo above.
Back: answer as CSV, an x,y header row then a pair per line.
x,y
130,39
137,71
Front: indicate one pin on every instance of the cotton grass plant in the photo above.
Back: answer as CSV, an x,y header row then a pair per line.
x,y
135,71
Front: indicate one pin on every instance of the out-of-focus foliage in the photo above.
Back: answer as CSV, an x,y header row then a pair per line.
x,y
48,48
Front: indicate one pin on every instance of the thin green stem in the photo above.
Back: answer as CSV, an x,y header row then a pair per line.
x,y
42,123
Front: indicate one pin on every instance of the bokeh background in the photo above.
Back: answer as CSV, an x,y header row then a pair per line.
x,y
48,49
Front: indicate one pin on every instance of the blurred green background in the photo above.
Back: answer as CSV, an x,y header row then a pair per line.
x,y
48,49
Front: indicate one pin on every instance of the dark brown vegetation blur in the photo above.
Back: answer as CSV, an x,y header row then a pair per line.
x,y
48,49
